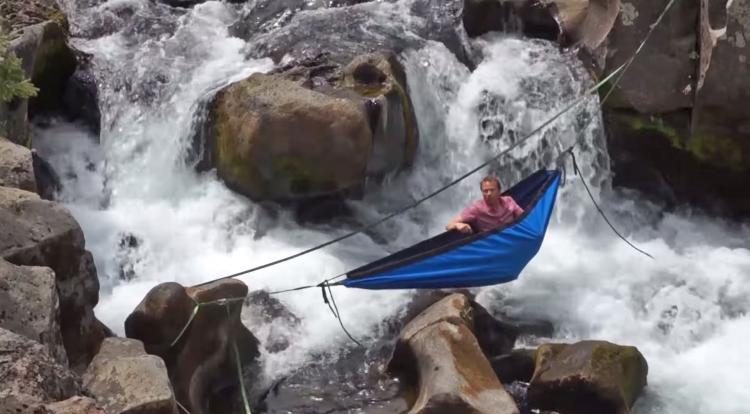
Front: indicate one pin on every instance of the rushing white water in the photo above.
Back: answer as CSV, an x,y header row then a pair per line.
x,y
686,310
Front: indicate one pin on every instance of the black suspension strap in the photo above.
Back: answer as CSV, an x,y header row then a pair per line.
x,y
336,313
577,172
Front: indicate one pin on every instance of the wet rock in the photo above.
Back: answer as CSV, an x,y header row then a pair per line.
x,y
47,180
29,306
588,376
381,81
34,232
359,119
350,380
122,378
191,3
81,96
518,365
201,362
276,320
577,22
74,405
438,353
30,376
494,336
483,16
372,27
16,167
128,255
656,155
259,152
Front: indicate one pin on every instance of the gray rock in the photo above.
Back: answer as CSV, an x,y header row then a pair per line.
x,y
16,167
29,375
29,306
36,232
122,378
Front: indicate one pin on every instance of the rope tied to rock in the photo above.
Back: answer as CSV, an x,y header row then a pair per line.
x,y
225,302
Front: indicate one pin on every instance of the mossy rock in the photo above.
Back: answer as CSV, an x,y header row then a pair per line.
x,y
273,139
711,143
658,155
588,376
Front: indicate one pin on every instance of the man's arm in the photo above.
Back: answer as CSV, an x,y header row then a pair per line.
x,y
458,225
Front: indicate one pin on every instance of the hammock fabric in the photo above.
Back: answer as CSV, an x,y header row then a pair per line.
x,y
453,260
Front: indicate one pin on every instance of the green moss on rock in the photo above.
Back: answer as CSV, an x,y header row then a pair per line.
x,y
704,145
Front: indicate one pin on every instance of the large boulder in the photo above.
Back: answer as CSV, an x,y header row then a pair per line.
x,y
35,232
29,306
587,377
683,136
198,351
438,353
358,122
16,166
39,32
273,139
122,379
571,22
30,376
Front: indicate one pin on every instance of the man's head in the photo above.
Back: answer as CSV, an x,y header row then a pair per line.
x,y
490,186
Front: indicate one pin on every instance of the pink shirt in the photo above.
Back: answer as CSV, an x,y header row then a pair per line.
x,y
484,218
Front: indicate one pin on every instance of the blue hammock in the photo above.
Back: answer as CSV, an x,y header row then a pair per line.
x,y
453,260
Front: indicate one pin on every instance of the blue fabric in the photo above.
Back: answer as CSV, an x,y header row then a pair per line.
x,y
494,257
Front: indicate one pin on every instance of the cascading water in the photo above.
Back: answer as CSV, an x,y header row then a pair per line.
x,y
149,218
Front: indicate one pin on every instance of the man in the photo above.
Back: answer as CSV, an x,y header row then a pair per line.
x,y
492,211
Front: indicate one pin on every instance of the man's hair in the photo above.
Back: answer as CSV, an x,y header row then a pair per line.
x,y
491,179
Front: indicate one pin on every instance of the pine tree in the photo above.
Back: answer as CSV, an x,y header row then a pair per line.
x,y
13,80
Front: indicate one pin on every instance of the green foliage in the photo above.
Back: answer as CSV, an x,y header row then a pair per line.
x,y
13,80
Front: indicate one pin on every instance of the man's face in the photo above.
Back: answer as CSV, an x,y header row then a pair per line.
x,y
490,191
